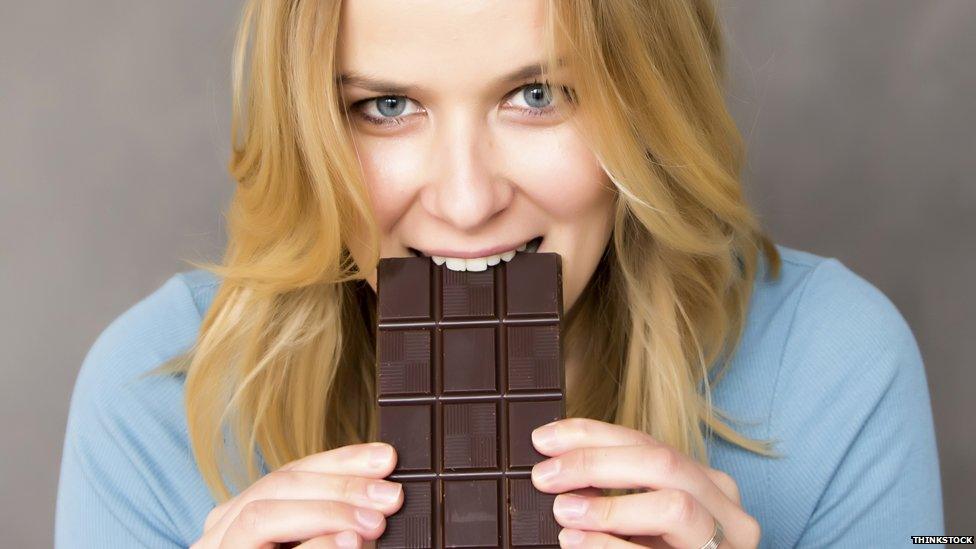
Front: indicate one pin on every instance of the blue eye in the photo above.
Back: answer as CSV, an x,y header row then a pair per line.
x,y
391,105
533,93
390,108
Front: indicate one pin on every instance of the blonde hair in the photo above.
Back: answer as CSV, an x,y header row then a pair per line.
x,y
285,354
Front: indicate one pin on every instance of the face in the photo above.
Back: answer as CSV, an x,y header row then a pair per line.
x,y
463,163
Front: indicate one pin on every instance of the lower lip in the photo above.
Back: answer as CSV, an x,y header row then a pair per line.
x,y
541,238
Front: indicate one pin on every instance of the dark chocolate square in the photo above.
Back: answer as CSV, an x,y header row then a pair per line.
x,y
533,357
523,418
403,286
529,293
470,513
411,525
470,440
469,358
408,429
468,294
532,520
404,361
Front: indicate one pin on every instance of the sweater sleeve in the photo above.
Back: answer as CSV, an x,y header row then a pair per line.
x,y
853,403
127,476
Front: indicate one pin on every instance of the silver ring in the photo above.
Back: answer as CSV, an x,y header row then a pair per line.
x,y
717,537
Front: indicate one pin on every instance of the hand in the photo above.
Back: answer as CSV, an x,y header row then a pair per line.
x,y
336,498
678,507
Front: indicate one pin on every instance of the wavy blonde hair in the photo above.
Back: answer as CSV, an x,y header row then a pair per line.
x,y
283,365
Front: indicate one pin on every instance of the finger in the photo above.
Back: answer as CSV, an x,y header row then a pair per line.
x,y
567,434
725,483
373,460
267,521
214,515
623,467
569,537
378,494
563,435
347,539
675,515
652,467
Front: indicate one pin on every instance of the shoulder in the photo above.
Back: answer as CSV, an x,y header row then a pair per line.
x,y
817,321
818,334
838,331
843,348
829,370
156,328
813,293
126,441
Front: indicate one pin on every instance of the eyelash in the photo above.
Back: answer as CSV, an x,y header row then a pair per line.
x,y
398,120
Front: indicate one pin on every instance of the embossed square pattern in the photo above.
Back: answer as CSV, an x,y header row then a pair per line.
x,y
462,381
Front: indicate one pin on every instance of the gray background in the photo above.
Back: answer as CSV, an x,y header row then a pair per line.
x,y
114,123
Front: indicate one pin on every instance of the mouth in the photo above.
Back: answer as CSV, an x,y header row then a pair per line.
x,y
480,263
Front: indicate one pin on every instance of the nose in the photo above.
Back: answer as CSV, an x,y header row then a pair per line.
x,y
465,188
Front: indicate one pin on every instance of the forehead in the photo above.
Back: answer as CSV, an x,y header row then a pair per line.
x,y
438,43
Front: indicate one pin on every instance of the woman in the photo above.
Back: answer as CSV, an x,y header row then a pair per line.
x,y
463,130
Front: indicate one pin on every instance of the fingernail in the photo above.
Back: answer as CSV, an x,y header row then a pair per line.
x,y
546,469
346,539
368,517
386,492
379,456
570,506
544,436
570,537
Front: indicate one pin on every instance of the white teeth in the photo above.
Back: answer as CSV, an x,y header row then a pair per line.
x,y
480,263
455,264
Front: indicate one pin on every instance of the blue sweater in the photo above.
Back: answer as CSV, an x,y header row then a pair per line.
x,y
827,366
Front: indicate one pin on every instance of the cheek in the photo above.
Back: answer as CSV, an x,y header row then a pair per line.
x,y
387,165
559,174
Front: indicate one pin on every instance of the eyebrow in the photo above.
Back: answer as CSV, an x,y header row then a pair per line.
x,y
378,85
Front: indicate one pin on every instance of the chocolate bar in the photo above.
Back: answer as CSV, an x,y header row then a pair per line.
x,y
469,363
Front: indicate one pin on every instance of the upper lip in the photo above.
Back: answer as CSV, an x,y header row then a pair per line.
x,y
484,252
